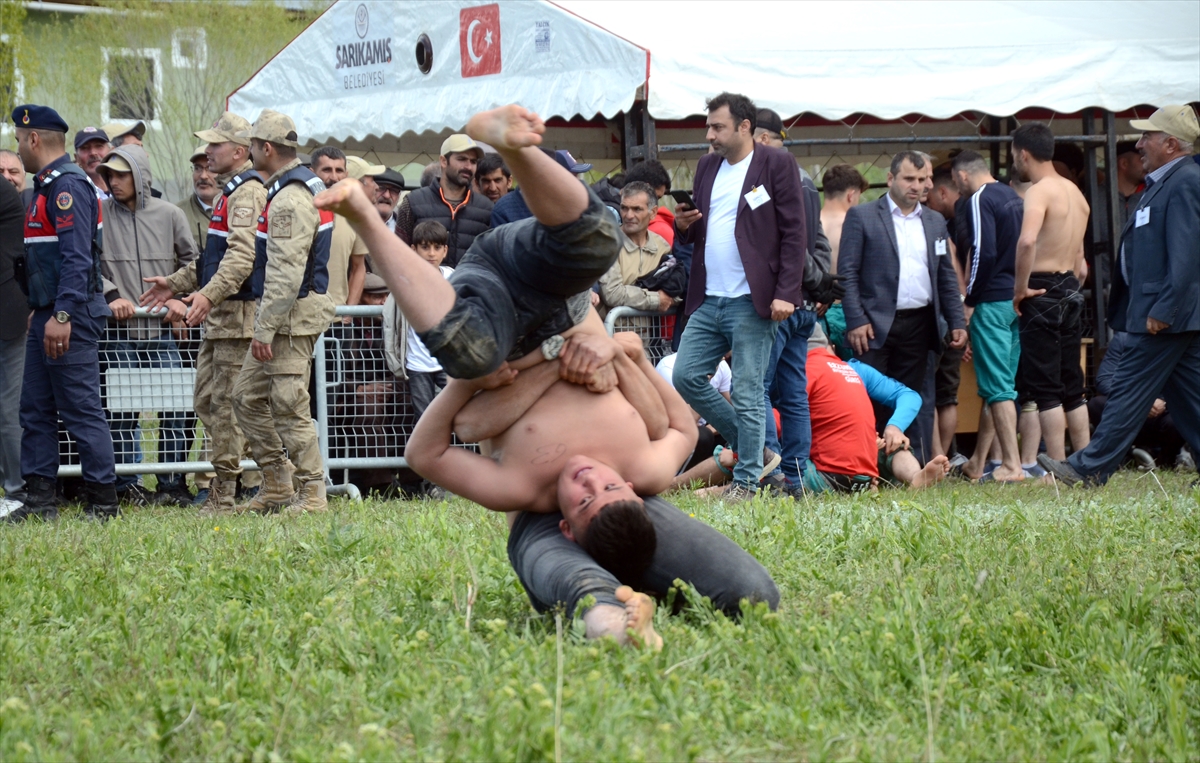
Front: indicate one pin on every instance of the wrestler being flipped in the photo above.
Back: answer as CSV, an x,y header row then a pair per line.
x,y
592,433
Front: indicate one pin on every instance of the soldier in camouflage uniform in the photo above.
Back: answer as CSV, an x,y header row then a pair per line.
x,y
290,282
221,298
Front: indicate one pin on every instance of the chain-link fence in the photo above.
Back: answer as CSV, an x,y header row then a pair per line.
x,y
362,408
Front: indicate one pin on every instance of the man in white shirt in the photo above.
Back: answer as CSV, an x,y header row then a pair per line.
x,y
747,274
902,295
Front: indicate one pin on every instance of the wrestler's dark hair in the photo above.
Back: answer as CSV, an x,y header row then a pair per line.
x,y
621,539
841,178
943,176
652,172
490,163
1036,138
970,162
430,232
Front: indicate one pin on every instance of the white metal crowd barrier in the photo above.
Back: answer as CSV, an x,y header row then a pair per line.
x,y
362,410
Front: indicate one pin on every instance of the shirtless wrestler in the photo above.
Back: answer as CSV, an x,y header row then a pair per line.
x,y
1050,268
518,293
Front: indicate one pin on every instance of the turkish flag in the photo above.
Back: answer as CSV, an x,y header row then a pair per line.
x,y
479,40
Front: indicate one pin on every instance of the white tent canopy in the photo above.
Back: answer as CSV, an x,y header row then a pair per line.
x,y
353,73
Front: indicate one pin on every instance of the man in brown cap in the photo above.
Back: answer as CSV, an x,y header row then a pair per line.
x,y
290,282
198,204
220,297
1156,298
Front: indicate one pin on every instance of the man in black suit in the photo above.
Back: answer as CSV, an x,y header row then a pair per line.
x,y
747,275
902,295
14,319
1156,298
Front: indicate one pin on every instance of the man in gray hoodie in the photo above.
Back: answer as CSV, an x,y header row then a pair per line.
x,y
143,237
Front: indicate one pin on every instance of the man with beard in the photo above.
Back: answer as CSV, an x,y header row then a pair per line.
x,y
452,202
198,206
91,146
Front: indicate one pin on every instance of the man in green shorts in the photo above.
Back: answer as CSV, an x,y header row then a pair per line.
x,y
995,220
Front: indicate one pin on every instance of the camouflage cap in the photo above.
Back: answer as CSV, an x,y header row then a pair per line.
x,y
199,153
273,127
226,130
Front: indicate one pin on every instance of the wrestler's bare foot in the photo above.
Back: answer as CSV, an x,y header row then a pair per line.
x,y
639,618
716,491
934,472
347,199
1006,475
509,128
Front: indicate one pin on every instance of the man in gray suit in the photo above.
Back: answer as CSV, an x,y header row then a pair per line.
x,y
14,320
1156,298
902,294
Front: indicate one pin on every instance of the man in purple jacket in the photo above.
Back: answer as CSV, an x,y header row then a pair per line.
x,y
747,272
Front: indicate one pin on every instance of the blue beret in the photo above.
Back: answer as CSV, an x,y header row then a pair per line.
x,y
38,118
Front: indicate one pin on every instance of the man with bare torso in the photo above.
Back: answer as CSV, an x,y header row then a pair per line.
x,y
521,295
1050,267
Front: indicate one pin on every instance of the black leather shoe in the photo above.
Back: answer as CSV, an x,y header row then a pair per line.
x,y
102,502
39,501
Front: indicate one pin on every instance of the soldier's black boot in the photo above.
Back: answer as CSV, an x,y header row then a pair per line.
x,y
39,500
101,502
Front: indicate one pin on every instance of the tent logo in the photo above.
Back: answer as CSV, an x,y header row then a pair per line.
x,y
361,21
479,40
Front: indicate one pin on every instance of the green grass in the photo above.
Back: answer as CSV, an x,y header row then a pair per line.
x,y
963,623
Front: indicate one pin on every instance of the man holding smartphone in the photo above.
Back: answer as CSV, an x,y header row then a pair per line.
x,y
750,238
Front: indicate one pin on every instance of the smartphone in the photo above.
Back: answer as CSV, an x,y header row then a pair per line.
x,y
683,197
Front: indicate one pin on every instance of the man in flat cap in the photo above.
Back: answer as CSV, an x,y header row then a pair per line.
x,y
62,365
1156,298
290,282
221,298
91,146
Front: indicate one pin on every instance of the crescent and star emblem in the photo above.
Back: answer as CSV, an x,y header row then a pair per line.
x,y
487,38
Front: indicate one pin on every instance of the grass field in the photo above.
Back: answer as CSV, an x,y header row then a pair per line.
x,y
962,623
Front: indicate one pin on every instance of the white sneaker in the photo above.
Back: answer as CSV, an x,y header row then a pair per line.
x,y
8,506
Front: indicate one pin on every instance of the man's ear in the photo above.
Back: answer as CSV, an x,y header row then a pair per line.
x,y
566,529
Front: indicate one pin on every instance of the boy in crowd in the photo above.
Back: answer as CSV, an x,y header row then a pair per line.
x,y
425,375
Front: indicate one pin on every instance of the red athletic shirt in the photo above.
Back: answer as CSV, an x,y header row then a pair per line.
x,y
843,420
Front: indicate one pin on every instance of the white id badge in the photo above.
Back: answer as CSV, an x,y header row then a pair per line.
x,y
939,246
757,197
1142,217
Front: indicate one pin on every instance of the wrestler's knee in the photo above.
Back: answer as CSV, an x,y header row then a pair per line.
x,y
749,581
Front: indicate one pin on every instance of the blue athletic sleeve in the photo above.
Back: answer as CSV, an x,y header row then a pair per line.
x,y
983,247
905,403
74,226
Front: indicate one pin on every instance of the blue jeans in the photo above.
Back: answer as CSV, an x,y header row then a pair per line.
x,y
118,351
786,387
721,324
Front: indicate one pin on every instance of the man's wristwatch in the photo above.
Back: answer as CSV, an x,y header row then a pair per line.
x,y
553,346
62,316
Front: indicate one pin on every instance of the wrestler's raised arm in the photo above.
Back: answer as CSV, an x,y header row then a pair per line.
x,y
474,477
667,453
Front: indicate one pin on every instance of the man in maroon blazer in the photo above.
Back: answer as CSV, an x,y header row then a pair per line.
x,y
750,240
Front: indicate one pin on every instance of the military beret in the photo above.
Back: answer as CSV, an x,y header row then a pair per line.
x,y
37,117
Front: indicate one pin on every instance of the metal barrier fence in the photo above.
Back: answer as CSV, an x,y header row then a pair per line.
x,y
657,330
362,410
